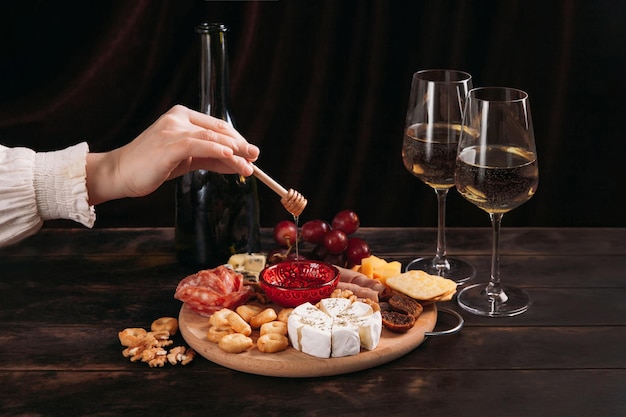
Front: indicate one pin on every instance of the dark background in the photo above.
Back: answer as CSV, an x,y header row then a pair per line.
x,y
321,87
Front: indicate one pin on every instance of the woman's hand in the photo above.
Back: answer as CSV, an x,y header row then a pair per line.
x,y
181,140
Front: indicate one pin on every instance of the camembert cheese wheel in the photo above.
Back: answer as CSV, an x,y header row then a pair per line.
x,y
338,328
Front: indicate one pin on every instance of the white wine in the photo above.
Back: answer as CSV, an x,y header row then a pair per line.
x,y
497,178
429,152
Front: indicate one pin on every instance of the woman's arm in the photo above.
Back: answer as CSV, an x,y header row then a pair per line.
x,y
181,140
69,183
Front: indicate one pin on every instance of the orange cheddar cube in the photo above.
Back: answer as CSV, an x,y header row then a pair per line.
x,y
392,269
377,268
370,265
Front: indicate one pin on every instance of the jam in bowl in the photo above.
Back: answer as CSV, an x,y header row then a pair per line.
x,y
291,283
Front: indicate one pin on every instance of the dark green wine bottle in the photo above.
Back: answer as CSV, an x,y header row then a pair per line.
x,y
217,215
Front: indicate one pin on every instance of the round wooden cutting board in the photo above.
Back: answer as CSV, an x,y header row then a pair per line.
x,y
295,364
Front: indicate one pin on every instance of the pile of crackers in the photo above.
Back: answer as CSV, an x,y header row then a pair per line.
x,y
423,286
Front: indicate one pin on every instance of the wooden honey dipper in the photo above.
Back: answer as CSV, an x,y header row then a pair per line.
x,y
292,200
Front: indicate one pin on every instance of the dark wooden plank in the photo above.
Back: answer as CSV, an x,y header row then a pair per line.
x,y
405,242
410,392
90,304
81,241
99,288
96,347
563,307
526,270
130,304
478,241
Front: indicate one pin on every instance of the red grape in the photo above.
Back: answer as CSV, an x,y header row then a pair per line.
x,y
313,231
327,241
336,241
320,252
346,220
337,259
357,249
285,233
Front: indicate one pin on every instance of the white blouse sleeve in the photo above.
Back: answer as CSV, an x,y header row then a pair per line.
x,y
42,186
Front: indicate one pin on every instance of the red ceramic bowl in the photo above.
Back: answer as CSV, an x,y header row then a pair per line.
x,y
292,283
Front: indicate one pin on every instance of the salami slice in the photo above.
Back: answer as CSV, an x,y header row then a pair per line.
x,y
210,290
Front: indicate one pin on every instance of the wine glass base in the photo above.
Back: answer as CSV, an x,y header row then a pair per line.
x,y
459,271
474,299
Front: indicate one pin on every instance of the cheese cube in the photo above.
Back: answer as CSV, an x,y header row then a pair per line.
x,y
370,329
237,261
254,262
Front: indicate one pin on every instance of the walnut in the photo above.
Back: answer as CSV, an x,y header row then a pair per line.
x,y
149,347
375,306
188,356
133,352
180,354
157,362
339,293
152,353
164,343
174,354
159,335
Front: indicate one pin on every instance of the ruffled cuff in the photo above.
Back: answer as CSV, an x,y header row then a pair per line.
x,y
61,185
19,217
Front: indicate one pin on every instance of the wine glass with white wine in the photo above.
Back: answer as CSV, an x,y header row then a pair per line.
x,y
496,170
431,138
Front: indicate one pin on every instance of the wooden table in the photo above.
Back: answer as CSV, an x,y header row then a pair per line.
x,y
66,293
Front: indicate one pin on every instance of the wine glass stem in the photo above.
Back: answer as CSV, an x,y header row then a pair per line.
x,y
439,261
494,288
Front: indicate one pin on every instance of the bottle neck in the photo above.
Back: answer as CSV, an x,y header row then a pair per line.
x,y
214,83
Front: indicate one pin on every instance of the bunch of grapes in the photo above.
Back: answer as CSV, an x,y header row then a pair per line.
x,y
331,242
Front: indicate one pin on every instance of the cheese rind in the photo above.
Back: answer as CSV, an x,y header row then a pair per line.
x,y
358,309
370,329
334,306
345,339
316,340
309,330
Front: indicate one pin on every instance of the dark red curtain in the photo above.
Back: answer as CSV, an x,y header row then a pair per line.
x,y
322,87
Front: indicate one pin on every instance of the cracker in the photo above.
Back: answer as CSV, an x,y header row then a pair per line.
x,y
422,286
445,297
